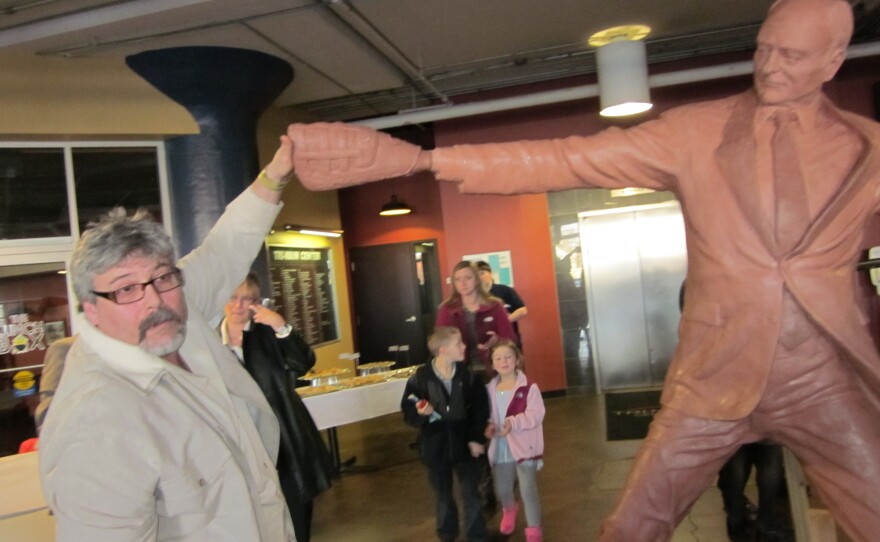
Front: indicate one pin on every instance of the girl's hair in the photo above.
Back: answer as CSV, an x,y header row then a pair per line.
x,y
455,298
513,348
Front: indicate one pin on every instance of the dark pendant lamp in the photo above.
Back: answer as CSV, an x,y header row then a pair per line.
x,y
395,207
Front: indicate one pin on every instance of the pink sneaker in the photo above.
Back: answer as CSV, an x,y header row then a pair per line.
x,y
508,519
534,534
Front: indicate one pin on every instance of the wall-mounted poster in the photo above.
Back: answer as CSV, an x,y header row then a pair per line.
x,y
502,268
302,291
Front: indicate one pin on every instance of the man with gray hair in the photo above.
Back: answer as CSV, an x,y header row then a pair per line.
x,y
156,432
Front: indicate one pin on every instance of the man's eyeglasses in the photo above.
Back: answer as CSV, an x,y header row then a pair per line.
x,y
135,292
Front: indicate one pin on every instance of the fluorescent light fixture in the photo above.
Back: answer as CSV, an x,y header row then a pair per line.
x,y
309,230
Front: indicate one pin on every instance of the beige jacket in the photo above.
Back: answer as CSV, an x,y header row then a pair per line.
x,y
136,449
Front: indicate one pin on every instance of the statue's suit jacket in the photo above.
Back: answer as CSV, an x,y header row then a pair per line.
x,y
705,154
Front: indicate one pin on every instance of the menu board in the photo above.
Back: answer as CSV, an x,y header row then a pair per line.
x,y
303,291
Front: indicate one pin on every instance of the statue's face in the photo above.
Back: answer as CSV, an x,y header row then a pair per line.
x,y
795,56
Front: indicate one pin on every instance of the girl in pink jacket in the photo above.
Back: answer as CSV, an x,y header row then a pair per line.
x,y
516,448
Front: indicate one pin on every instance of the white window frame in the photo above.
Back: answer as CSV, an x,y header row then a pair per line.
x,y
15,252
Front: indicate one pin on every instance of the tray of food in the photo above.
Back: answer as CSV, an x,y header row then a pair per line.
x,y
363,380
374,367
325,377
404,372
308,391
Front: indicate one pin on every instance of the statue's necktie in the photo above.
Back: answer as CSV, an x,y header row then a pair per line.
x,y
792,209
792,219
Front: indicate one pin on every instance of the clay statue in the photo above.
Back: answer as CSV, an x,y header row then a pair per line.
x,y
772,343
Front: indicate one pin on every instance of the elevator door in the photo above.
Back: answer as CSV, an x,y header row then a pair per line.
x,y
635,261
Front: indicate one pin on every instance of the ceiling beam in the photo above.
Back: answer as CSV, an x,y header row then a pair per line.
x,y
89,18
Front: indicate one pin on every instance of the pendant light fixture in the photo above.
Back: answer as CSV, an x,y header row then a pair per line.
x,y
622,69
395,207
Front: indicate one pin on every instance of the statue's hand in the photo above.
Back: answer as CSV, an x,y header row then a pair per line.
x,y
335,155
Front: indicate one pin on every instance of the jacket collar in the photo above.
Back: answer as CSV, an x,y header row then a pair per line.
x,y
736,159
521,380
127,361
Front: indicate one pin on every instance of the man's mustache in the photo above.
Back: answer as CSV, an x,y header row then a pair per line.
x,y
161,316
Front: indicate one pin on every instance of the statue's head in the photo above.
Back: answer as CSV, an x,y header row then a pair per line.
x,y
801,45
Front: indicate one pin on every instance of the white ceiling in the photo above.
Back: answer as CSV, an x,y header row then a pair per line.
x,y
365,58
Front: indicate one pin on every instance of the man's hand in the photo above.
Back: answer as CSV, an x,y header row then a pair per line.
x,y
281,165
271,181
335,155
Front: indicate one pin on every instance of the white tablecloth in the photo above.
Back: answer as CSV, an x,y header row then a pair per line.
x,y
355,404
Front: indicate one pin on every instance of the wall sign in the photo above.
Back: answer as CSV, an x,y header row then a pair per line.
x,y
20,335
303,292
502,268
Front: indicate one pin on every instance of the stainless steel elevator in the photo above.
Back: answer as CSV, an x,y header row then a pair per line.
x,y
635,260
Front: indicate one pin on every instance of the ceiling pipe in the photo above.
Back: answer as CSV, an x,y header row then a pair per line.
x,y
366,30
708,73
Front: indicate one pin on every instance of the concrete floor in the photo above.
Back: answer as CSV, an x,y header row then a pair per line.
x,y
581,478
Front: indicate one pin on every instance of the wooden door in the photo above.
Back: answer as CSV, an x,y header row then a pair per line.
x,y
396,291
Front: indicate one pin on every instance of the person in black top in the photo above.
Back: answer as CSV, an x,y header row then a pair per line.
x,y
513,303
450,407
275,355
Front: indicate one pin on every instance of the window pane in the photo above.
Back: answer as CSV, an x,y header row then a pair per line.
x,y
33,194
108,177
34,312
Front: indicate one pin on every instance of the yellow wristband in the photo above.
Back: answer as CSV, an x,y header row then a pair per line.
x,y
276,186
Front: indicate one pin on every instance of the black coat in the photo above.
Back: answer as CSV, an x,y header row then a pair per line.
x,y
305,467
464,414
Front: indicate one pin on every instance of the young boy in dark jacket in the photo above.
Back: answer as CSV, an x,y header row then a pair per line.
x,y
450,407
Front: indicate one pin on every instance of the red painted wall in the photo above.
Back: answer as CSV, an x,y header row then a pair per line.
x,y
520,224
471,224
359,207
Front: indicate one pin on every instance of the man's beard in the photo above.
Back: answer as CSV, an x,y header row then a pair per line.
x,y
169,346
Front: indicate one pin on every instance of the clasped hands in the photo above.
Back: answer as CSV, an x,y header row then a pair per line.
x,y
492,430
327,156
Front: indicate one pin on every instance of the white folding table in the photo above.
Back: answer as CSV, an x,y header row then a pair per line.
x,y
350,405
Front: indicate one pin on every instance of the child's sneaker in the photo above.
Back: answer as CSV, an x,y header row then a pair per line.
x,y
508,519
534,534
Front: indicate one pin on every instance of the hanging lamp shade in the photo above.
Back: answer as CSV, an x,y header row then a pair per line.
x,y
622,69
395,207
